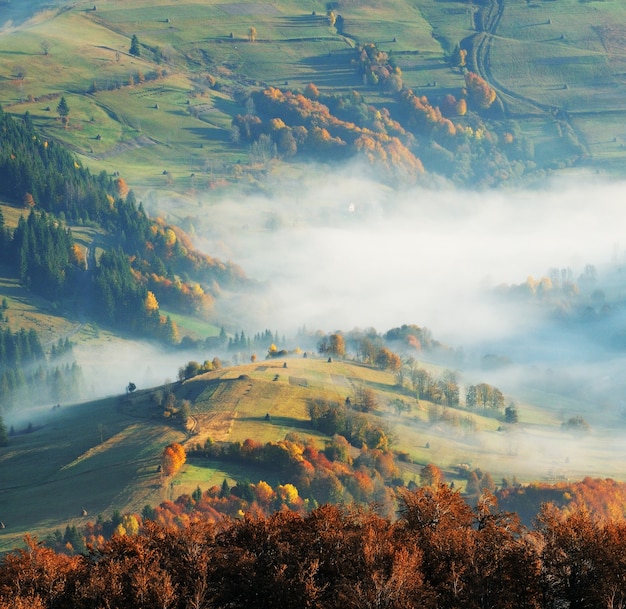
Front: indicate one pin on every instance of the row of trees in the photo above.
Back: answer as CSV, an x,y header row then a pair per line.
x,y
439,554
28,375
193,368
368,350
377,67
486,397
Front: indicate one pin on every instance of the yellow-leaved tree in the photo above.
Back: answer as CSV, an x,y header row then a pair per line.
x,y
152,304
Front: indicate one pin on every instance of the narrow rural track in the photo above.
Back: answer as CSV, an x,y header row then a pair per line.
x,y
193,427
487,21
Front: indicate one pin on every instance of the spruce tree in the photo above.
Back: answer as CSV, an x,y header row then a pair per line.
x,y
134,46
63,109
4,438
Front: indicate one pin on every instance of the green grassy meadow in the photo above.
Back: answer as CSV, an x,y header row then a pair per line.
x,y
104,455
151,114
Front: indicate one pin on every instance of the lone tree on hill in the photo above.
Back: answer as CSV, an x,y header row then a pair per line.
x,y
252,34
63,110
134,46
45,45
172,459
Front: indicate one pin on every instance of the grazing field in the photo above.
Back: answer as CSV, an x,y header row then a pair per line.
x,y
566,58
104,455
163,118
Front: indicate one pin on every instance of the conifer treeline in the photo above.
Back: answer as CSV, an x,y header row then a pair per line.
x,y
155,263
26,375
45,170
40,250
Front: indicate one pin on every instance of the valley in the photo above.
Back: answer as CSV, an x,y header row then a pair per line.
x,y
301,171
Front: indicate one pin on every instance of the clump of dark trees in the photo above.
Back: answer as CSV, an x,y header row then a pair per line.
x,y
439,553
144,255
27,374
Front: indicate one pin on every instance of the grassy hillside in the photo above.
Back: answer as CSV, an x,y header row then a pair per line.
x,y
104,455
161,120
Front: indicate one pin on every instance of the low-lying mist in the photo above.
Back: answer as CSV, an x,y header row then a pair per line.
x,y
340,252
337,251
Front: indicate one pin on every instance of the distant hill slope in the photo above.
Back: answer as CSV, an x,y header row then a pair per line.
x,y
163,115
104,456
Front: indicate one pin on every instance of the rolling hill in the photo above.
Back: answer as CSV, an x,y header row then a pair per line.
x,y
104,456
163,117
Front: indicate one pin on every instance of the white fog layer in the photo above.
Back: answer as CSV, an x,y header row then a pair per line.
x,y
423,256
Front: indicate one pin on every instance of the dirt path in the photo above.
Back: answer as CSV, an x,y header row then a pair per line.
x,y
487,21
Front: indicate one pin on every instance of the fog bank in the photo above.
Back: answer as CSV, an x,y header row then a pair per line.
x,y
341,252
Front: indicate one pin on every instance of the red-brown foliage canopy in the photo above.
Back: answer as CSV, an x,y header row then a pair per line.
x,y
439,554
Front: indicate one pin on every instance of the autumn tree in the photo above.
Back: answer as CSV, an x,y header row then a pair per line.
x,y
431,475
311,91
29,201
333,344
252,33
336,345
388,360
172,459
459,57
151,304
366,399
122,187
481,94
77,256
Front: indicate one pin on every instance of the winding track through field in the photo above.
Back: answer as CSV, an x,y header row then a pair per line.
x,y
489,19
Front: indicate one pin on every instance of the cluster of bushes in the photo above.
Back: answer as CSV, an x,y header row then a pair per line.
x,y
333,418
321,476
193,368
377,68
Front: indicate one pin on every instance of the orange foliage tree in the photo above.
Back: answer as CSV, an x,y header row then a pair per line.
x,y
122,187
172,459
480,92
